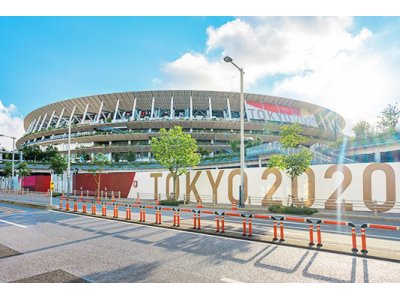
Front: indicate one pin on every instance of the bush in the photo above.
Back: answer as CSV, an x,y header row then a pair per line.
x,y
56,194
171,202
292,210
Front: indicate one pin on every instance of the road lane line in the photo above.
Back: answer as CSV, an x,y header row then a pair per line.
x,y
11,223
229,280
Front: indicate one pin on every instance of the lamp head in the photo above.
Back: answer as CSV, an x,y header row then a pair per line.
x,y
228,59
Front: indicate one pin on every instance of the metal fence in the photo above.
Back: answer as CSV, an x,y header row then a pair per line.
x,y
25,196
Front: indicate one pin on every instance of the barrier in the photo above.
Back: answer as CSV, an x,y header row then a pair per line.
x,y
142,214
250,226
217,221
244,225
319,240
93,208
84,207
104,209
115,210
157,201
199,203
67,205
128,212
61,204
194,219
175,216
233,214
138,199
75,206
311,232
373,226
353,237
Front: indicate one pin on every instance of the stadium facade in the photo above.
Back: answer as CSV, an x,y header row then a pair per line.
x,y
122,123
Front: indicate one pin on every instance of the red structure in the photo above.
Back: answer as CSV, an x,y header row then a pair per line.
x,y
112,181
36,183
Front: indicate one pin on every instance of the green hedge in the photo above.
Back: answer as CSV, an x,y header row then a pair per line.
x,y
291,210
170,202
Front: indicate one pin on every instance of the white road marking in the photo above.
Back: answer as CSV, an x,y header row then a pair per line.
x,y
229,280
15,224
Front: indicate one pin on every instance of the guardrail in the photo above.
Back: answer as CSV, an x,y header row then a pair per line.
x,y
228,216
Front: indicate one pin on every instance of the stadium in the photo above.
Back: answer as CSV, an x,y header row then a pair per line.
x,y
122,124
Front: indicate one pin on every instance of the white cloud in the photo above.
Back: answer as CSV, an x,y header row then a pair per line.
x,y
322,60
11,124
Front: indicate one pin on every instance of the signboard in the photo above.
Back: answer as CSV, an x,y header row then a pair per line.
x,y
361,187
278,113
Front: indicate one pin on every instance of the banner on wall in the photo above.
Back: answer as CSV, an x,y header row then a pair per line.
x,y
358,187
278,113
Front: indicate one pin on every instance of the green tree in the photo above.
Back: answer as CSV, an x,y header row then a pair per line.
x,y
235,146
7,171
58,164
23,170
175,150
389,117
97,166
292,164
291,136
82,155
203,152
32,153
130,157
49,153
363,129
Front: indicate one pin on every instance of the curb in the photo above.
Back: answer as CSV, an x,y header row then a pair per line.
x,y
26,204
325,248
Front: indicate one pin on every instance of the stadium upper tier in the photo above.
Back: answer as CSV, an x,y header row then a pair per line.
x,y
125,122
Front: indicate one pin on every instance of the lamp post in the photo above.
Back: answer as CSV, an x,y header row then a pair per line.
x,y
241,188
69,159
13,150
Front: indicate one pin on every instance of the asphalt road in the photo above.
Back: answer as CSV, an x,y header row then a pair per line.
x,y
38,245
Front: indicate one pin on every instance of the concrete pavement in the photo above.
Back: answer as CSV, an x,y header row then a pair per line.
x,y
98,250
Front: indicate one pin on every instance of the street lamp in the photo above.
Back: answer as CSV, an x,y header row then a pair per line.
x,y
69,159
241,189
13,150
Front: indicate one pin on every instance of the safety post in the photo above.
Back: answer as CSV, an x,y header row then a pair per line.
x,y
138,199
144,214
140,213
75,206
175,216
217,221
275,229
84,207
157,200
178,218
198,220
104,209
61,204
128,212
67,205
115,210
93,208
282,237
199,203
363,239
311,231
194,219
353,237
319,240
159,215
244,224
250,226
112,198
223,222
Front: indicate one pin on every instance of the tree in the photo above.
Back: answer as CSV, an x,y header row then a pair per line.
x,y
7,171
23,170
389,117
203,152
291,136
82,155
363,129
293,164
235,146
31,153
58,164
130,157
175,150
98,165
49,153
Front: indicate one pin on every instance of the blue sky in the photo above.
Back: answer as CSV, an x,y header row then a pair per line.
x,y
340,63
